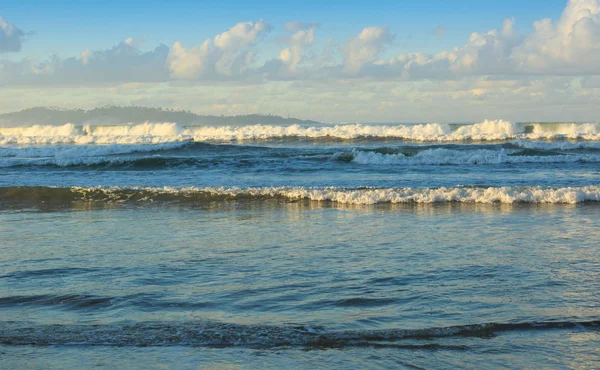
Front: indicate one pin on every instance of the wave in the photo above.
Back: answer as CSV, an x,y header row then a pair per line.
x,y
360,196
556,145
153,156
90,302
216,334
85,155
443,156
146,133
152,162
38,151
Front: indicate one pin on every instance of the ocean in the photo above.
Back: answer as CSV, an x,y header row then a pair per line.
x,y
421,246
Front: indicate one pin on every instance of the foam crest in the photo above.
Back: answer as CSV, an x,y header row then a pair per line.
x,y
146,133
489,130
556,145
363,196
144,129
443,156
586,131
65,130
422,132
442,195
69,155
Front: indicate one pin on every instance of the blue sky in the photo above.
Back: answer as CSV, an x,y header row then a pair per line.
x,y
375,61
71,27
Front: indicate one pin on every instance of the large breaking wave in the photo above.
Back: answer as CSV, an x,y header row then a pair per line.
x,y
489,130
359,196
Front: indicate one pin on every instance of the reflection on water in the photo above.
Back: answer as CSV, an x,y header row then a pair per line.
x,y
290,205
561,349
318,263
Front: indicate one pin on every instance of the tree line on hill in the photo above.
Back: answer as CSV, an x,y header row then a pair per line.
x,y
133,114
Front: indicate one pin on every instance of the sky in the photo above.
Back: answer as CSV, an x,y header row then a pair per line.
x,y
334,61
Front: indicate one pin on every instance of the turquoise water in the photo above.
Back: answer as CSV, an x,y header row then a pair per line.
x,y
164,251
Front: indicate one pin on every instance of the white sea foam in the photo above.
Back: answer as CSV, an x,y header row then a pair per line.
x,y
69,155
39,151
567,195
443,156
556,145
489,130
262,132
146,133
586,131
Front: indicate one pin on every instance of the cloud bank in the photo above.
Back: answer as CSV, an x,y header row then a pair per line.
x,y
568,46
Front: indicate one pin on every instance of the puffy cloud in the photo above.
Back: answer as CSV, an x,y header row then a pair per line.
x,y
304,35
365,48
571,45
226,55
568,46
241,35
123,62
191,63
11,37
487,53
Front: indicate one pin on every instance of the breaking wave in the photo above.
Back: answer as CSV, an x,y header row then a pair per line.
x,y
146,133
152,133
443,156
556,145
216,334
71,155
360,196
156,156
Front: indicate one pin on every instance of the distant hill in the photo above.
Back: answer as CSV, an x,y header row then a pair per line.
x,y
120,115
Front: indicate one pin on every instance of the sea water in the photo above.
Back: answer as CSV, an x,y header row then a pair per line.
x,y
352,246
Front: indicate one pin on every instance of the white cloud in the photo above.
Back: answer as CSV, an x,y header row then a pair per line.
x,y
365,48
191,63
568,46
488,53
121,63
302,37
11,38
571,45
227,54
241,35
